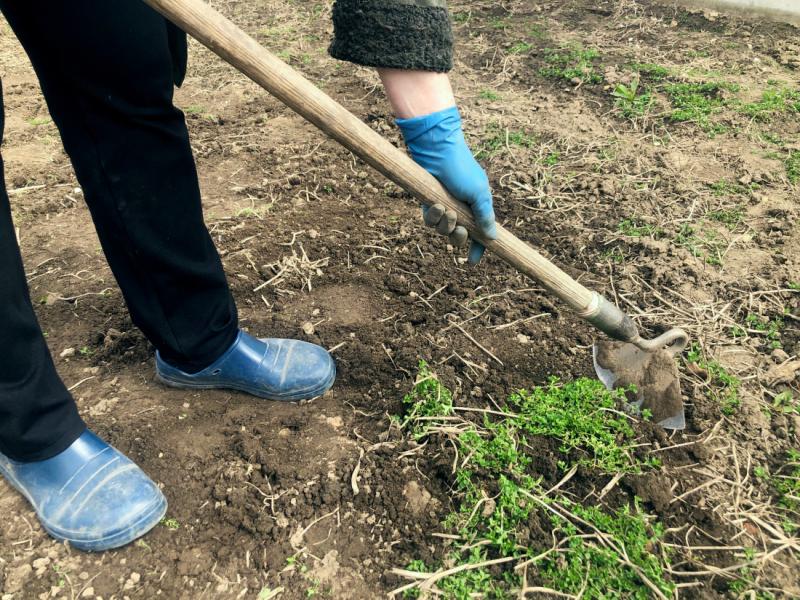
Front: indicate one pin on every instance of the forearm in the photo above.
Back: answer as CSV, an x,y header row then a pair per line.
x,y
417,93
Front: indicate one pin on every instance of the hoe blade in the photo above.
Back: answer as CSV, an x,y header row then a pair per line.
x,y
655,375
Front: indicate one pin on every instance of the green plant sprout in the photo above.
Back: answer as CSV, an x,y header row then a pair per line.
x,y
723,387
629,101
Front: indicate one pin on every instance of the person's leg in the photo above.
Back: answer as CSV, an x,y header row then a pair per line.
x,y
38,417
107,75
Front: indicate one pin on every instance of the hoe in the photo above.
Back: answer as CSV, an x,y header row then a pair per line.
x,y
630,360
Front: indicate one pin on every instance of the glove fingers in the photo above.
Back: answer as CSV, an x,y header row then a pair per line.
x,y
483,211
434,215
447,223
459,237
476,250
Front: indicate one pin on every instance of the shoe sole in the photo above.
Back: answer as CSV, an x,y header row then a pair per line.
x,y
297,397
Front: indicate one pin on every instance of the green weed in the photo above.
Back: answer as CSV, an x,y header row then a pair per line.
x,y
697,102
497,497
727,188
489,95
570,63
630,102
582,416
37,121
520,48
787,484
651,71
633,228
785,403
538,31
499,138
551,160
774,100
703,244
722,386
771,328
730,217
171,524
792,164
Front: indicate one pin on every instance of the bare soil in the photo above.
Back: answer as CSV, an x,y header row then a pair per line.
x,y
324,499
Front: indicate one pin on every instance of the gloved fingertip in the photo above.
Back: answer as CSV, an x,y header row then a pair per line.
x,y
489,229
476,250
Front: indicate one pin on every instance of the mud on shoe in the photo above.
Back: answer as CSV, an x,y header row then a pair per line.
x,y
89,495
274,369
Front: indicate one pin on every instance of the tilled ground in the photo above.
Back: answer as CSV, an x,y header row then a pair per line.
x,y
690,224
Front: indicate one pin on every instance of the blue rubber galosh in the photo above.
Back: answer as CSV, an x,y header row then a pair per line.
x,y
90,495
274,369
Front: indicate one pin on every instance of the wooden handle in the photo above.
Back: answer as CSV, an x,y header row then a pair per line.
x,y
224,38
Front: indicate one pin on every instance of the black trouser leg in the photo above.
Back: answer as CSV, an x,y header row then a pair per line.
x,y
38,417
106,72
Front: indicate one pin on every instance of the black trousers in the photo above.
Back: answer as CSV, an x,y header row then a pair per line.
x,y
107,71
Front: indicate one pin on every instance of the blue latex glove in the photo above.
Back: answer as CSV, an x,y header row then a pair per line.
x,y
436,142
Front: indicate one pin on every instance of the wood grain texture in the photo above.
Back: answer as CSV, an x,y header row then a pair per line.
x,y
224,38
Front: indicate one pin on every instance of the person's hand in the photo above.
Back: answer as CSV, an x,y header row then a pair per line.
x,y
436,142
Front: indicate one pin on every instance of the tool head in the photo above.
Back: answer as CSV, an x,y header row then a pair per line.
x,y
653,373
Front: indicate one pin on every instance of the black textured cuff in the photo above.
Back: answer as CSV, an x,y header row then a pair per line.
x,y
399,34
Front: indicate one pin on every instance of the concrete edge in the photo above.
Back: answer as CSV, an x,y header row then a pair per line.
x,y
748,9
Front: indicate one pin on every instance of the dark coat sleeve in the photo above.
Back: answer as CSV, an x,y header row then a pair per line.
x,y
400,34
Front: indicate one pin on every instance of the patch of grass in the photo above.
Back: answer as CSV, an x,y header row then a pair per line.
x,y
722,386
633,228
770,328
520,48
774,100
499,138
787,484
551,160
37,121
727,188
651,71
496,497
697,102
462,16
572,62
730,217
538,31
792,164
703,244
614,255
489,95
630,102
582,416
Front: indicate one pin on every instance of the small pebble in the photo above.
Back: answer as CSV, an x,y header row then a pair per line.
x,y
308,328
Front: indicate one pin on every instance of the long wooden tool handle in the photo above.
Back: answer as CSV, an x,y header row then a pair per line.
x,y
224,38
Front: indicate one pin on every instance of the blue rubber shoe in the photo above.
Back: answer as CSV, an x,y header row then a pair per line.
x,y
274,369
90,495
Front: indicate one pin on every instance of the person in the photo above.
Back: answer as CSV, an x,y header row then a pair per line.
x,y
107,71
